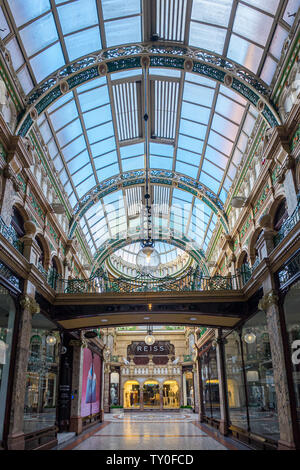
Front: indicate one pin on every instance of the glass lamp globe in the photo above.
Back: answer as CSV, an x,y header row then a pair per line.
x,y
51,340
149,340
147,260
250,338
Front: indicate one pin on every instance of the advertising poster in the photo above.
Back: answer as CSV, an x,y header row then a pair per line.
x,y
90,400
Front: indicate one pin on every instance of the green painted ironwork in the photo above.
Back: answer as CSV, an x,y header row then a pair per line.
x,y
11,236
288,225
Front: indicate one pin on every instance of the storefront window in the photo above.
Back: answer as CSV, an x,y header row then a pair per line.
x,y
210,383
260,378
131,394
292,319
188,389
250,380
7,318
42,376
171,394
151,394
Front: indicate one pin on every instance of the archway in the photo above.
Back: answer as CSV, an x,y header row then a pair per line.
x,y
131,394
151,397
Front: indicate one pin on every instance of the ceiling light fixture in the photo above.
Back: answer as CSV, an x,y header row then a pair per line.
x,y
148,258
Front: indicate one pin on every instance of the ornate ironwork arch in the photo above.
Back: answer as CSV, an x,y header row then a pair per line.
x,y
183,242
170,55
137,178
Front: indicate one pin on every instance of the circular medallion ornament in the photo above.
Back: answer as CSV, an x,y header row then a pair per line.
x,y
64,87
145,61
260,105
102,69
33,114
228,79
188,65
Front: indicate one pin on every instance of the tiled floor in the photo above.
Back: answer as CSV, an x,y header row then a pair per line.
x,y
154,431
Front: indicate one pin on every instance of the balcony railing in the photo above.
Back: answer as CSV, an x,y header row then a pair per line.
x,y
11,236
288,225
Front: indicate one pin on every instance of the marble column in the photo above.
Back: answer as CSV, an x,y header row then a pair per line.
x,y
15,439
288,425
141,398
224,419
75,418
201,404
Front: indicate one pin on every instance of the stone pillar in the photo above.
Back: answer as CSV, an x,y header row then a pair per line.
x,y
290,185
196,389
31,249
15,439
288,425
106,403
9,188
224,421
75,418
184,392
201,404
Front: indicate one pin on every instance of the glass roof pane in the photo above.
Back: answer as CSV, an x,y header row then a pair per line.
x,y
193,129
97,116
118,8
225,127
39,34
123,31
23,14
189,143
227,107
94,98
279,37
83,43
220,143
108,171
199,113
47,61
100,132
198,94
77,15
207,37
15,53
69,133
252,24
212,11
268,70
78,162
64,115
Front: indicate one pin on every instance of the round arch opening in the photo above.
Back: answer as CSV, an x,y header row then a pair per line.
x,y
151,396
132,394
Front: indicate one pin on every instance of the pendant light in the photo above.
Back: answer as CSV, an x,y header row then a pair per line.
x,y
148,258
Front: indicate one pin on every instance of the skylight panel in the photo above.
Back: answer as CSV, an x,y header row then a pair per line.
x,y
186,169
279,37
78,162
23,12
119,8
83,42
69,133
170,19
85,186
216,157
212,11
291,8
270,6
188,157
227,107
198,94
97,116
207,37
199,113
62,116
193,129
94,98
4,28
108,171
165,108
224,127
211,169
190,143
39,34
77,15
268,70
15,53
209,182
25,80
220,143
74,148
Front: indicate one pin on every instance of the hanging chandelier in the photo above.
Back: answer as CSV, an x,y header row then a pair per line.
x,y
148,258
149,338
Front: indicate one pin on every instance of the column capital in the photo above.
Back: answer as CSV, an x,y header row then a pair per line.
x,y
269,299
30,304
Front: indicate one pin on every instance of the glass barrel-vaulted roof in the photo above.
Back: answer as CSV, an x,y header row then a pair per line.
x,y
198,127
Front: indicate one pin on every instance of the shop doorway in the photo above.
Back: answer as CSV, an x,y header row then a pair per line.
x,y
151,394
170,394
131,394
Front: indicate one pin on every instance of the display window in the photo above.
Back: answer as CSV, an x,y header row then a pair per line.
x,y
114,388
131,394
7,319
210,383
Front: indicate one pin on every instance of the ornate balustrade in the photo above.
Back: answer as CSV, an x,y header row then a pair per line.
x,y
288,225
11,236
151,370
